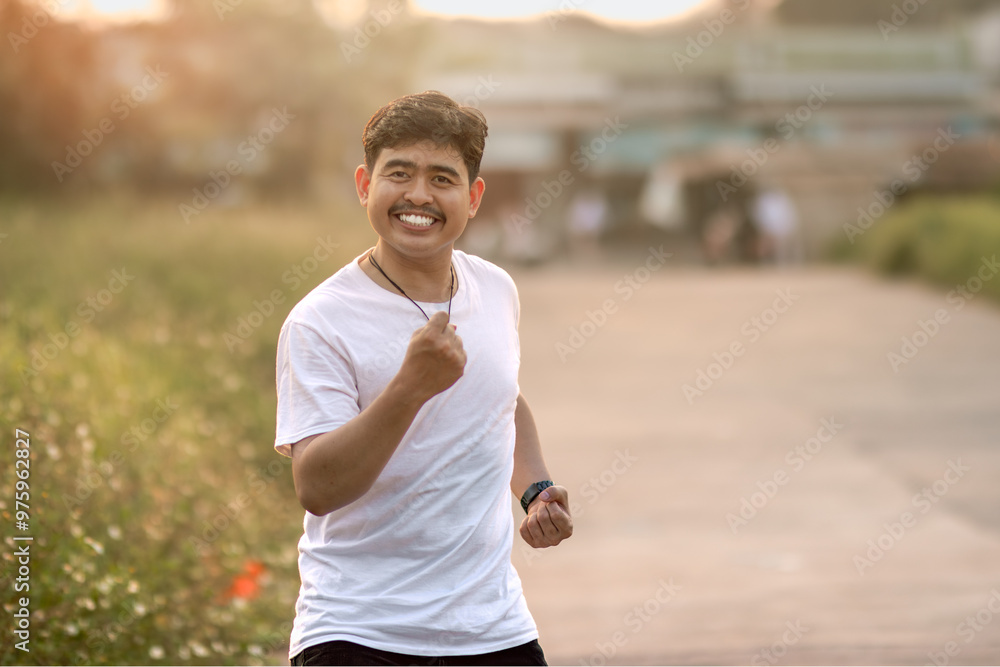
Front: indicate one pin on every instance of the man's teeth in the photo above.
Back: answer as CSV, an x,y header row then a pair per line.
x,y
417,220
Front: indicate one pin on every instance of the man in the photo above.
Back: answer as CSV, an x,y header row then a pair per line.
x,y
405,436
777,221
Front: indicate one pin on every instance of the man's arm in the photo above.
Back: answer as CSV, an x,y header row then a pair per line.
x,y
548,522
334,469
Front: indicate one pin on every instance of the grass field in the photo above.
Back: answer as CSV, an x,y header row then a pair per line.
x,y
138,353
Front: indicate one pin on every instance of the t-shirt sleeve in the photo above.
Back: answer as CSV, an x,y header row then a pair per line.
x,y
517,318
317,387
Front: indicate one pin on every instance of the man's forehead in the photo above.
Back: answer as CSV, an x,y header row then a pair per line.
x,y
424,154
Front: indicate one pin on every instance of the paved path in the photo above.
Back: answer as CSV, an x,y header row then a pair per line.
x,y
664,569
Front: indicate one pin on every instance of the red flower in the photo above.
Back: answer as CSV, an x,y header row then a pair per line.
x,y
245,585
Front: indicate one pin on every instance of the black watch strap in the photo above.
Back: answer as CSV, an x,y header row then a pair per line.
x,y
533,492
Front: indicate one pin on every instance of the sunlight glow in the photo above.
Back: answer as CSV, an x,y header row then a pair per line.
x,y
618,11
347,11
341,12
104,11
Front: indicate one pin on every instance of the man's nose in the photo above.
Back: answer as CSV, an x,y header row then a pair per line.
x,y
419,193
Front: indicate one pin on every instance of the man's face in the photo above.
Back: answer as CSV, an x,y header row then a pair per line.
x,y
419,198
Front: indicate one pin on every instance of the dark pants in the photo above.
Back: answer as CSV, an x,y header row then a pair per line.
x,y
349,653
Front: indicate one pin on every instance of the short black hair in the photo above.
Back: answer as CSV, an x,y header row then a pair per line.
x,y
427,116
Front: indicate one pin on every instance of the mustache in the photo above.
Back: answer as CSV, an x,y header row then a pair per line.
x,y
420,210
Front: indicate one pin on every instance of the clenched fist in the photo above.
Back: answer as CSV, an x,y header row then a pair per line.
x,y
548,522
434,360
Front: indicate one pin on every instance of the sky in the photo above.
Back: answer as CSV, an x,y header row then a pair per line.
x,y
627,11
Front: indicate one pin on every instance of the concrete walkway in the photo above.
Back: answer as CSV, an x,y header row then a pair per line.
x,y
811,505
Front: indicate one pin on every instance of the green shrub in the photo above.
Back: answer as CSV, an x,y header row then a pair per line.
x,y
944,240
164,524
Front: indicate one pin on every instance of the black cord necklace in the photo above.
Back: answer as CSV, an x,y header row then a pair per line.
x,y
451,295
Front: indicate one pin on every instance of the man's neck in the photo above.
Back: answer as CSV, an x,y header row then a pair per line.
x,y
423,280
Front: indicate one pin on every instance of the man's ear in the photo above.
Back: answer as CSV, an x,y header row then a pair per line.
x,y
362,181
476,196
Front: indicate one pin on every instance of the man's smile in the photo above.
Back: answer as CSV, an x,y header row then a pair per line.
x,y
416,220
416,217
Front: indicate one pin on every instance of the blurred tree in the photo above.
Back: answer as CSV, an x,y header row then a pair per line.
x,y
240,60
871,11
43,98
228,67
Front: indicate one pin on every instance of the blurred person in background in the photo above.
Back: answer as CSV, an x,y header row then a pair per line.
x,y
407,439
777,224
719,232
587,215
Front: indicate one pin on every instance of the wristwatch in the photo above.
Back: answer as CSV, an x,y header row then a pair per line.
x,y
533,492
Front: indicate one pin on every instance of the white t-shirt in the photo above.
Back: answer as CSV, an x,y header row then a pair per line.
x,y
421,563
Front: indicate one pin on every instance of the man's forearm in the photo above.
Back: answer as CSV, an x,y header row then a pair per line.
x,y
529,466
548,521
334,469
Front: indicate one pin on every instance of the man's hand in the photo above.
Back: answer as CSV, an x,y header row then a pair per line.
x,y
548,522
435,358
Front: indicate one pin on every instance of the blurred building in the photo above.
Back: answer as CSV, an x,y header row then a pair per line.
x,y
844,106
